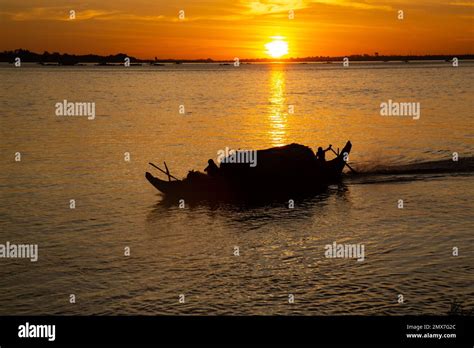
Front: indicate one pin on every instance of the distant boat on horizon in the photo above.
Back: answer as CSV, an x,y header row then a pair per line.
x,y
105,64
48,64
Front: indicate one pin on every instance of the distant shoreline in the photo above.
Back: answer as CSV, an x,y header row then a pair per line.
x,y
70,59
188,63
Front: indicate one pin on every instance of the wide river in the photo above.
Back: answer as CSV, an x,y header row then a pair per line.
x,y
418,259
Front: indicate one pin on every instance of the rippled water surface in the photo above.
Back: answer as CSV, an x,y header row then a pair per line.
x,y
191,251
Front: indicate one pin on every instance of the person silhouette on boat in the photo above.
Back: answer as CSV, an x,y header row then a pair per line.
x,y
212,169
321,154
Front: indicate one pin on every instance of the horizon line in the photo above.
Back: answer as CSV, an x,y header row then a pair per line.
x,y
326,57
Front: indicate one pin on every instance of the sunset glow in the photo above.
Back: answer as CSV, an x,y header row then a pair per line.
x,y
222,29
277,48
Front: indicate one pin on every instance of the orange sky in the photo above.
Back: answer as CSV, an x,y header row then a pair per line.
x,y
224,29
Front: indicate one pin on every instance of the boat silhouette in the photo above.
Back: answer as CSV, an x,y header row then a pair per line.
x,y
280,172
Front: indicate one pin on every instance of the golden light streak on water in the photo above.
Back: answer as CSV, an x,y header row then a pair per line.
x,y
277,107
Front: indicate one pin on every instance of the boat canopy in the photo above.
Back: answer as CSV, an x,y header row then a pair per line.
x,y
293,157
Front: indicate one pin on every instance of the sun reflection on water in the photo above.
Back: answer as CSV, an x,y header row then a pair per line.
x,y
277,109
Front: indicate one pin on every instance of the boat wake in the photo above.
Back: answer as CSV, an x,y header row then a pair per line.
x,y
408,172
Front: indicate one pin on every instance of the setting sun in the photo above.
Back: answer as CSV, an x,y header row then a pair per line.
x,y
277,48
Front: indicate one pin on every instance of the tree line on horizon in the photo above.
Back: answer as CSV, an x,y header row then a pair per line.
x,y
72,59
